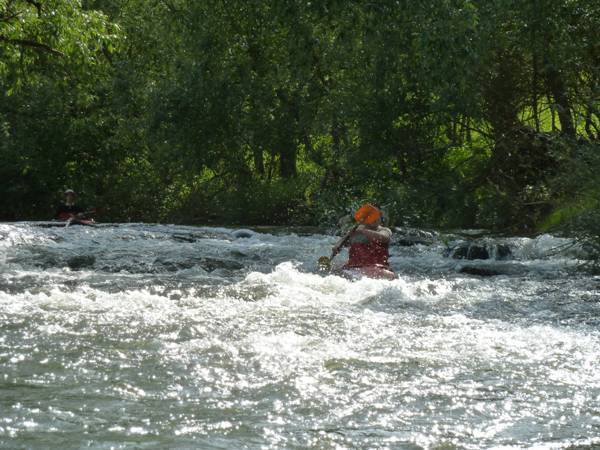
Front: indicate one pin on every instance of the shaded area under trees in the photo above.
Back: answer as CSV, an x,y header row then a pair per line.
x,y
450,114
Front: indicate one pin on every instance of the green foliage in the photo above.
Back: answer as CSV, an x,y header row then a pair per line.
x,y
576,209
453,114
53,57
215,201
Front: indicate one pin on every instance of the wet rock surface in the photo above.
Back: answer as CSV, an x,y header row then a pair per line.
x,y
482,249
405,237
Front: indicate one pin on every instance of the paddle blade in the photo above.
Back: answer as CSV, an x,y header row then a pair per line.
x,y
324,264
367,214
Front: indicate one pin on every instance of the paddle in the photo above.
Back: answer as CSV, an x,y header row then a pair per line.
x,y
366,214
79,216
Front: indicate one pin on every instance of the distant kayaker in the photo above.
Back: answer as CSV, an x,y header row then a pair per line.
x,y
369,241
69,209
369,244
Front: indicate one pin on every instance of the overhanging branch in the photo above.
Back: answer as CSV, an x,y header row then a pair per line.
x,y
32,44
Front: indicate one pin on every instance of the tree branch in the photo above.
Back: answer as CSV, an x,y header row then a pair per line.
x,y
33,44
8,18
37,5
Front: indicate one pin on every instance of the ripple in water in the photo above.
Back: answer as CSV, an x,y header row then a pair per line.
x,y
183,337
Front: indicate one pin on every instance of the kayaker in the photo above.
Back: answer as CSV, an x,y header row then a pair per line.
x,y
69,209
369,245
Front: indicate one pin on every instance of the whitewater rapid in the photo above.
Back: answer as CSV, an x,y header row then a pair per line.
x,y
163,336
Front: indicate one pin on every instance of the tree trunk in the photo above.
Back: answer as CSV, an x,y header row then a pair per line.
x,y
557,88
287,161
534,97
259,162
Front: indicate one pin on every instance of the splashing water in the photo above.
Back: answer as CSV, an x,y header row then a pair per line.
x,y
153,336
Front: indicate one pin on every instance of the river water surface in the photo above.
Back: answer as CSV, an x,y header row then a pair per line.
x,y
155,336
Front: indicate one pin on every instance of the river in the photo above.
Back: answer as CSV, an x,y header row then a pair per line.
x,y
162,336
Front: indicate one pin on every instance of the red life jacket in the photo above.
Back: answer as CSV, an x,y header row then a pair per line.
x,y
368,254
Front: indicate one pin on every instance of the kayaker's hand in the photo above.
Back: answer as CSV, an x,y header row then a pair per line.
x,y
363,230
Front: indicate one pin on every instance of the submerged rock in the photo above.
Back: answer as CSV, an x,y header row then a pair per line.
x,y
406,237
480,271
503,251
183,238
210,264
243,234
81,262
205,263
479,250
469,251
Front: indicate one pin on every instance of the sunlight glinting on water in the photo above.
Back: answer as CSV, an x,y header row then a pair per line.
x,y
132,334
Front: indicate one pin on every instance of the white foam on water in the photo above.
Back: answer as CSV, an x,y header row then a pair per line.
x,y
149,342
